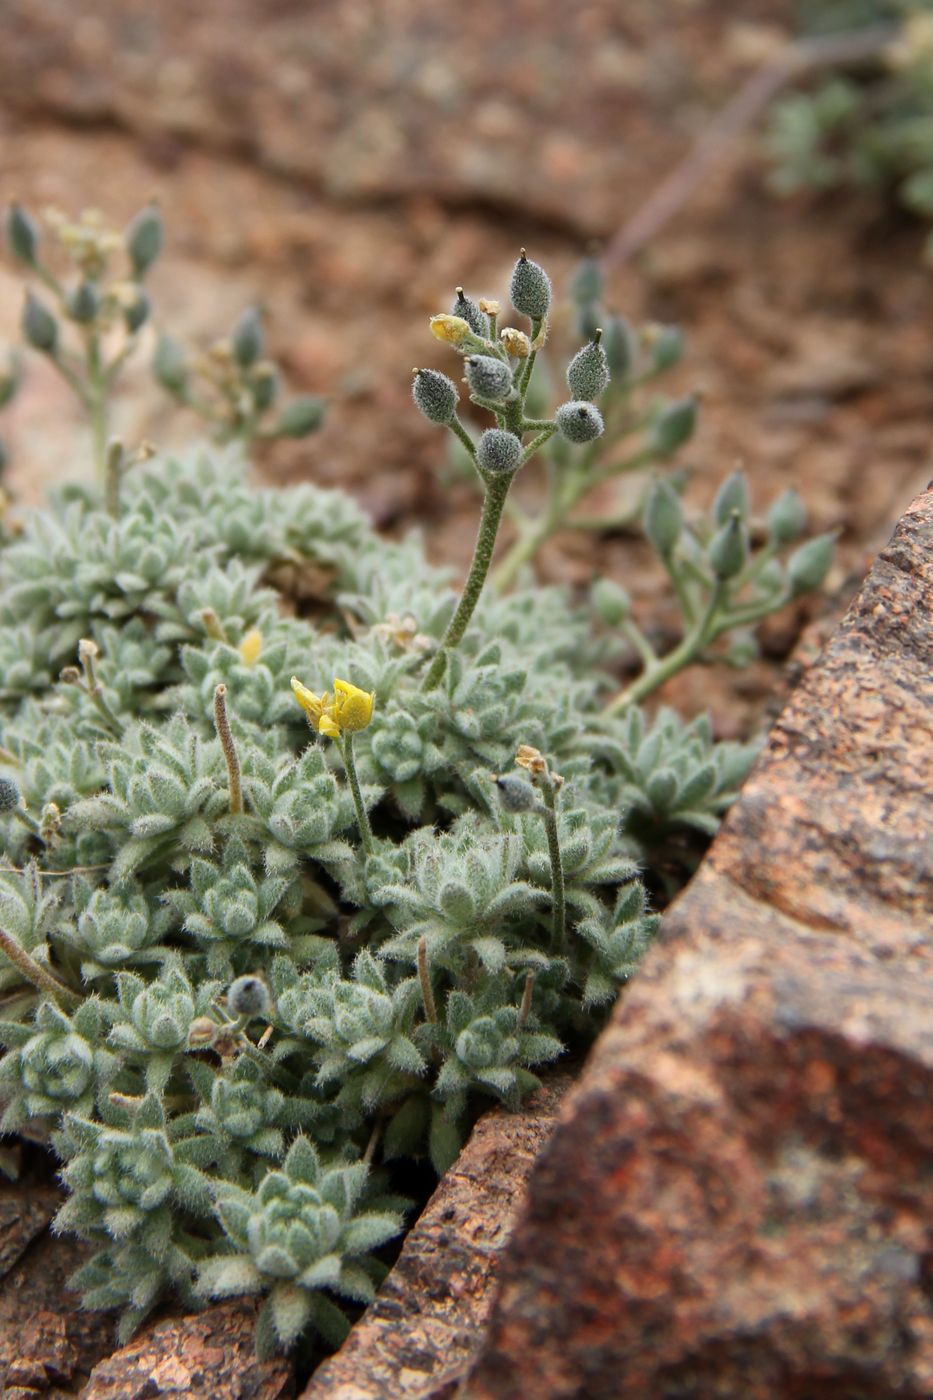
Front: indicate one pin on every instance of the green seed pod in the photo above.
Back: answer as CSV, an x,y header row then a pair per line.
x,y
590,317
170,366
40,327
611,601
667,347
743,650
579,422
771,578
732,495
83,303
9,382
249,996
498,451
137,313
621,347
302,416
530,289
466,308
586,281
435,395
488,377
144,238
728,550
664,519
787,518
515,794
808,566
22,233
673,427
588,371
9,795
264,385
248,341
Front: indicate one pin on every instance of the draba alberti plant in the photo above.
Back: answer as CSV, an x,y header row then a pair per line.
x,y
291,890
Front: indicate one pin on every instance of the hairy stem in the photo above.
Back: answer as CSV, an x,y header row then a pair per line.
x,y
424,977
228,744
663,668
40,977
362,817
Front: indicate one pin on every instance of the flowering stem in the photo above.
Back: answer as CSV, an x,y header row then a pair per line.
x,y
549,814
424,977
227,743
35,973
362,819
663,668
497,488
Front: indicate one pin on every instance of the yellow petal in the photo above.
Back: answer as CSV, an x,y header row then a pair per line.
x,y
353,707
250,648
309,702
326,725
452,330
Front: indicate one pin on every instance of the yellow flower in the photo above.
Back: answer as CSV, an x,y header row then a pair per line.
x,y
453,330
250,648
350,709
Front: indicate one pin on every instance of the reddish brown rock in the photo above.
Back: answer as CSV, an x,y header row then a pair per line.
x,y
427,1320
738,1199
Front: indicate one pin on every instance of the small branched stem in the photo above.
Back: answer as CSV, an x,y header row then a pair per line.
x,y
362,817
40,977
228,744
268,1066
558,897
97,386
424,977
524,1010
29,822
373,1143
457,428
113,475
497,489
703,631
87,655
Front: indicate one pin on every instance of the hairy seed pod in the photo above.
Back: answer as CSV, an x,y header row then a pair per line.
x,y
586,282
808,566
302,416
728,550
498,451
170,365
515,794
466,308
621,346
664,518
136,314
667,346
248,341
673,426
40,327
22,233
611,601
435,395
530,288
579,421
590,316
488,377
9,795
249,996
83,303
732,495
787,517
588,371
144,238
264,385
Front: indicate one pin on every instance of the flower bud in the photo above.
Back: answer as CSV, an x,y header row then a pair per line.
x,y
732,495
83,303
787,517
144,238
673,426
611,601
247,341
588,371
136,313
9,795
515,794
249,996
667,346
808,566
170,366
455,331
728,548
302,416
488,377
40,328
586,282
579,422
466,308
22,233
515,342
621,347
498,451
664,518
530,289
435,395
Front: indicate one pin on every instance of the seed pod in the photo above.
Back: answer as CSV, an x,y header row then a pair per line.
x,y
170,366
264,385
787,518
590,317
611,601
435,395
673,426
732,495
488,377
9,795
144,238
808,566
728,550
498,451
248,341
302,416
9,382
586,281
83,303
515,794
249,996
136,314
40,328
579,421
667,347
664,519
771,578
530,288
621,347
22,233
466,308
588,371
